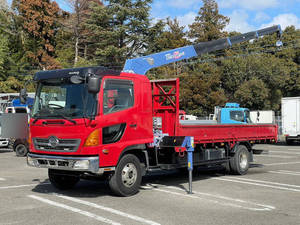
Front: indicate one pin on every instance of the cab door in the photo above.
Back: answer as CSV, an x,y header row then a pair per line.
x,y
118,118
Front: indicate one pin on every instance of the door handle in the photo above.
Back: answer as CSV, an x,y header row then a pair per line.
x,y
133,125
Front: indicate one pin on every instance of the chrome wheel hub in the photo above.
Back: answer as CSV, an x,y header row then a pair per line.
x,y
129,174
243,161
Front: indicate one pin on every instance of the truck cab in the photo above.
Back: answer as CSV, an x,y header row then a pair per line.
x,y
232,113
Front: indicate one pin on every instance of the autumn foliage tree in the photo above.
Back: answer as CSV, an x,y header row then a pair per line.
x,y
39,19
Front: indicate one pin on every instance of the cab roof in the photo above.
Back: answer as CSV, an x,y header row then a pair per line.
x,y
82,71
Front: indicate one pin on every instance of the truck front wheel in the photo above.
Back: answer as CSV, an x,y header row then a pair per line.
x,y
62,181
127,178
239,163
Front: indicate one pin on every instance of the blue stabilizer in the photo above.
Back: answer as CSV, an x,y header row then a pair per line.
x,y
188,143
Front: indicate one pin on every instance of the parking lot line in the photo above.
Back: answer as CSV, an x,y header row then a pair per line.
x,y
276,156
264,207
289,171
267,182
76,210
195,196
285,173
258,184
111,210
23,185
286,152
281,163
2,179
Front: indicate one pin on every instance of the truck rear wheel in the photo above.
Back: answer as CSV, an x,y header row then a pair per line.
x,y
288,141
21,150
127,178
239,163
62,181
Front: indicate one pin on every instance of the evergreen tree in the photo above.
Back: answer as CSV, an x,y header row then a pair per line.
x,y
208,24
120,29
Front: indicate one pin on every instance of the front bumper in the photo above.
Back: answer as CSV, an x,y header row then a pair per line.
x,y
4,142
84,164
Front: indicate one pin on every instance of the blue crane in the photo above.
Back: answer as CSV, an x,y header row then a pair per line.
x,y
141,65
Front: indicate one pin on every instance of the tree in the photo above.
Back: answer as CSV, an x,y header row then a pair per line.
x,y
74,23
173,36
200,90
40,22
209,24
120,29
253,94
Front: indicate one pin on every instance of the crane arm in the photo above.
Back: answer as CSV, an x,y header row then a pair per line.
x,y
142,64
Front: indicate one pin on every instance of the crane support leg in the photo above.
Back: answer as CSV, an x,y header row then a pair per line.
x,y
188,143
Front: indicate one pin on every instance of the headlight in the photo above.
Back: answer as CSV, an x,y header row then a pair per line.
x,y
82,164
30,161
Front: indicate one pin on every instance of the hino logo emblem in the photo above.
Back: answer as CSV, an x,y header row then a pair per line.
x,y
53,142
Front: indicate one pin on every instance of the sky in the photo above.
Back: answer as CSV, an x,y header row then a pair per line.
x,y
245,15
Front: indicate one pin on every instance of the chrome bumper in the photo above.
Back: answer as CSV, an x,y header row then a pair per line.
x,y
85,164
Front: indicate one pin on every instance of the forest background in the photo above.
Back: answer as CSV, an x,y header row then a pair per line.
x,y
38,35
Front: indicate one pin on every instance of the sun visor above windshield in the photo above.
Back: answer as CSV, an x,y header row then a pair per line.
x,y
66,73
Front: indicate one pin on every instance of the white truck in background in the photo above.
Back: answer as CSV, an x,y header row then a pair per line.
x,y
262,116
3,141
290,115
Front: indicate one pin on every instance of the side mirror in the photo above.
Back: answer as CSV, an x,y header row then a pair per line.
x,y
23,96
94,84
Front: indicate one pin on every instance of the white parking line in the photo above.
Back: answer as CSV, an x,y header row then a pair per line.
x,y
286,152
76,210
285,172
260,184
114,211
288,171
267,182
264,207
2,179
276,156
284,163
23,185
194,196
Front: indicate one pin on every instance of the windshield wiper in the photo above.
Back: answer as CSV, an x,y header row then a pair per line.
x,y
65,117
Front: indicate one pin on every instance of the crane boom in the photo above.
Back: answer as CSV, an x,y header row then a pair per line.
x,y
142,64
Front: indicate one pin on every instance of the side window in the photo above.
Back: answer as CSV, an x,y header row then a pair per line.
x,y
237,115
117,95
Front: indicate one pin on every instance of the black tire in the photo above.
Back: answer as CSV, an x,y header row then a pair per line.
x,y
239,163
288,141
21,149
127,178
62,180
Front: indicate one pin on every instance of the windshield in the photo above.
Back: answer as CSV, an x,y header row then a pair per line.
x,y
59,98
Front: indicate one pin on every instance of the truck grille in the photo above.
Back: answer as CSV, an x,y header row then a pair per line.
x,y
45,144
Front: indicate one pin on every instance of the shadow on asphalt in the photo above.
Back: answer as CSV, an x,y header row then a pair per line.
x,y
98,188
84,188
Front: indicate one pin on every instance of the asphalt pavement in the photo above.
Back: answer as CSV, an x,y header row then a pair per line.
x,y
268,194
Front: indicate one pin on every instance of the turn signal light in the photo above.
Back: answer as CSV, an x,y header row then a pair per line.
x,y
29,139
93,139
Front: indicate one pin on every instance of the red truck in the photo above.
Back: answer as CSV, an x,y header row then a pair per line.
x,y
119,125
